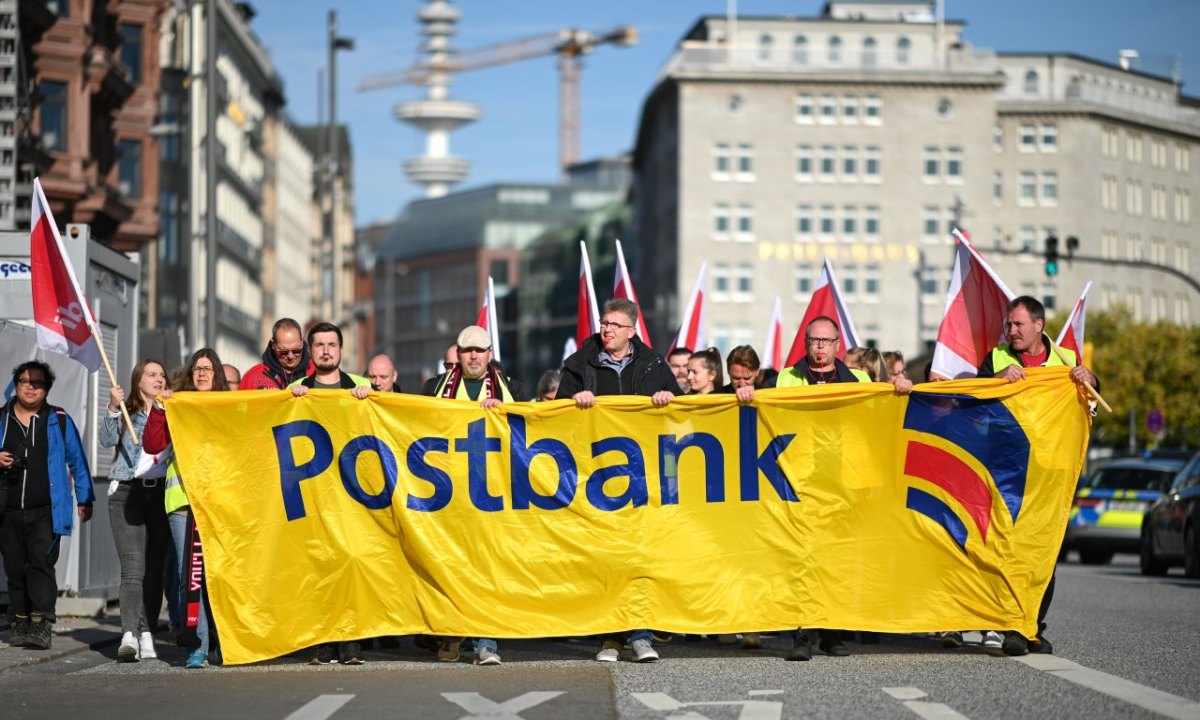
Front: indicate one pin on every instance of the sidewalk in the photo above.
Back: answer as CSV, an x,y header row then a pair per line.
x,y
71,635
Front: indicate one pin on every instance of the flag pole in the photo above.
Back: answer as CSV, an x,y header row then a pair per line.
x,y
1091,391
112,378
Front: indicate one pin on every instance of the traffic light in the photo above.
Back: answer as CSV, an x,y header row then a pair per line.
x,y
1051,255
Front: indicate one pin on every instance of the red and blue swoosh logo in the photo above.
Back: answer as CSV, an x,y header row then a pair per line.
x,y
985,430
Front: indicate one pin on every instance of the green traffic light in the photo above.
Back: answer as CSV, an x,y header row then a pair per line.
x,y
1051,268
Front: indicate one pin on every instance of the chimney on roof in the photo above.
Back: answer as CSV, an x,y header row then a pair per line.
x,y
1128,59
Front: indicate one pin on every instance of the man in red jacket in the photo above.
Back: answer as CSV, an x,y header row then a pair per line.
x,y
285,360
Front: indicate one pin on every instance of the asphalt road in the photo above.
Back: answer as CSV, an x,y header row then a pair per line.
x,y
1126,647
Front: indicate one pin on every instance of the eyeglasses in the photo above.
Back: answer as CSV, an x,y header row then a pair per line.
x,y
35,384
202,370
289,352
821,341
449,365
613,326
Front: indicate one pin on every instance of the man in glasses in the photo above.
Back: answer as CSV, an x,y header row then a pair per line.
x,y
449,362
616,362
285,360
820,366
39,444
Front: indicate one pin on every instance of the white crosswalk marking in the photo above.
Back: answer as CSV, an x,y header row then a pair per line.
x,y
910,697
481,707
320,707
751,709
1163,703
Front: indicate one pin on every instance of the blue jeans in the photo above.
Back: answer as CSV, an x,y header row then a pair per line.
x,y
629,638
484,644
178,522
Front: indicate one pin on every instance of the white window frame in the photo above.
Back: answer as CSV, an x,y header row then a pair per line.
x,y
743,271
721,152
804,152
743,214
931,164
872,110
803,272
826,217
1027,181
849,154
827,154
1027,137
872,153
871,224
953,165
1048,193
744,152
850,109
805,213
850,224
721,272
719,211
1048,137
827,109
804,100
872,274
997,188
931,224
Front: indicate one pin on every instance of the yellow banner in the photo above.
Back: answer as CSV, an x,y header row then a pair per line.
x,y
329,518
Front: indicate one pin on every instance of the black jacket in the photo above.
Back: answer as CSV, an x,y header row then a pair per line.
x,y
645,374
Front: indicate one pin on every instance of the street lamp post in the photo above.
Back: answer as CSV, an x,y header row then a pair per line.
x,y
335,251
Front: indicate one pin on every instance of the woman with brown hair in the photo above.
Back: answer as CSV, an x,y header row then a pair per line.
x,y
704,371
203,373
136,512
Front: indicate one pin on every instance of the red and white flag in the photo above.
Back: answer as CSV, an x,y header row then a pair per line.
x,y
487,319
772,357
1071,336
827,301
587,322
976,310
64,320
623,288
691,325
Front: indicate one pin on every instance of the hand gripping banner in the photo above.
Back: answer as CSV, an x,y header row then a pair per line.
x,y
328,518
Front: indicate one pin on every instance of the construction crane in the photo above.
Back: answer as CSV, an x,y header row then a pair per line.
x,y
570,44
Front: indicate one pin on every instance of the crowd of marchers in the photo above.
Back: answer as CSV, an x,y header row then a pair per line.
x,y
45,481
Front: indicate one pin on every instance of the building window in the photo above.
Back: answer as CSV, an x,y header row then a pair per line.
x,y
1158,153
804,220
1028,137
850,163
1183,159
1183,257
868,53
1027,236
745,163
828,162
872,109
1133,148
1049,295
131,51
849,222
930,223
720,162
1133,198
849,278
954,164
1028,189
828,109
903,51
129,168
743,289
825,219
850,109
720,215
764,47
1183,207
1031,82
871,283
872,163
1049,141
998,187
745,223
800,50
720,281
53,107
803,276
871,222
835,49
932,164
1049,194
804,108
804,162
997,138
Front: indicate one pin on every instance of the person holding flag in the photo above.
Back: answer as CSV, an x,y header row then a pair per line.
x,y
1028,346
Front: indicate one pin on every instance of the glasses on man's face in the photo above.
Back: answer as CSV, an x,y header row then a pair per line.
x,y
449,365
821,341
35,384
289,352
202,370
613,326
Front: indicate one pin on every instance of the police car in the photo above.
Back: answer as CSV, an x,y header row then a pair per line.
x,y
1109,507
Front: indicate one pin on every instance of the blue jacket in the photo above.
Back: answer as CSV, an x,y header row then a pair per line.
x,y
62,505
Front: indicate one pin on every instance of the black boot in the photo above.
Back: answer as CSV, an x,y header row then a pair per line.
x,y
1014,643
20,632
831,643
802,647
40,635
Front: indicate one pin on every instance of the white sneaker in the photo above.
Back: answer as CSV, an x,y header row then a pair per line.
x,y
147,647
643,651
128,652
487,656
609,652
992,639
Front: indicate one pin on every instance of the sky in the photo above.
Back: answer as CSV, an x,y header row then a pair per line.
x,y
516,138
